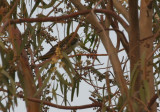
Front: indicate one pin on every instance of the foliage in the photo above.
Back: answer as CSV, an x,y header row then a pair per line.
x,y
29,28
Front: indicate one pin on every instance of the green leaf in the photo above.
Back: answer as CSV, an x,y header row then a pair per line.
x,y
92,40
21,80
69,69
65,94
2,45
95,41
100,75
61,87
2,107
69,73
44,85
73,90
33,36
68,27
61,79
78,81
24,9
34,7
41,70
87,38
82,45
24,39
51,4
103,90
13,84
54,94
86,27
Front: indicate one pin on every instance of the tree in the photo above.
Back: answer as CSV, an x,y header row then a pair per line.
x,y
25,32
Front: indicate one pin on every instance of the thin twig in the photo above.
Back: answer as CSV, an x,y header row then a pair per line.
x,y
152,53
92,54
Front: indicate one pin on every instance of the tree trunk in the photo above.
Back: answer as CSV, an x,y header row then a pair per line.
x,y
24,68
146,48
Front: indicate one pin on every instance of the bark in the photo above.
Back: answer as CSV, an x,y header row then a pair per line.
x,y
134,37
24,68
121,9
134,52
146,48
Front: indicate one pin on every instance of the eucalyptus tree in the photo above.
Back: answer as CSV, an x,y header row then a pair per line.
x,y
77,31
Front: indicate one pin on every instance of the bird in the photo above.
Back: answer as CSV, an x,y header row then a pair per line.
x,y
67,45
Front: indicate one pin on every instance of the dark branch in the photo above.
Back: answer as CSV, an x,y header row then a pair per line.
x,y
60,106
73,15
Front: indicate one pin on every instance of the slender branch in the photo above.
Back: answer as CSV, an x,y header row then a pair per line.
x,y
152,53
54,8
121,9
91,84
121,36
151,37
73,15
95,104
92,54
152,101
60,106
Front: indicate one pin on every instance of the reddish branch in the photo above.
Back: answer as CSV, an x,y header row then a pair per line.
x,y
73,15
151,37
152,101
95,104
60,106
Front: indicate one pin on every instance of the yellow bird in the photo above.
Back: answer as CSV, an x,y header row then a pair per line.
x,y
66,45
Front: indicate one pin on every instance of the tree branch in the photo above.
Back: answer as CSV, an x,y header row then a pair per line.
x,y
73,15
92,54
60,106
121,9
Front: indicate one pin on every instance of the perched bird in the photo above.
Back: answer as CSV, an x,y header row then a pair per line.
x,y
66,45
